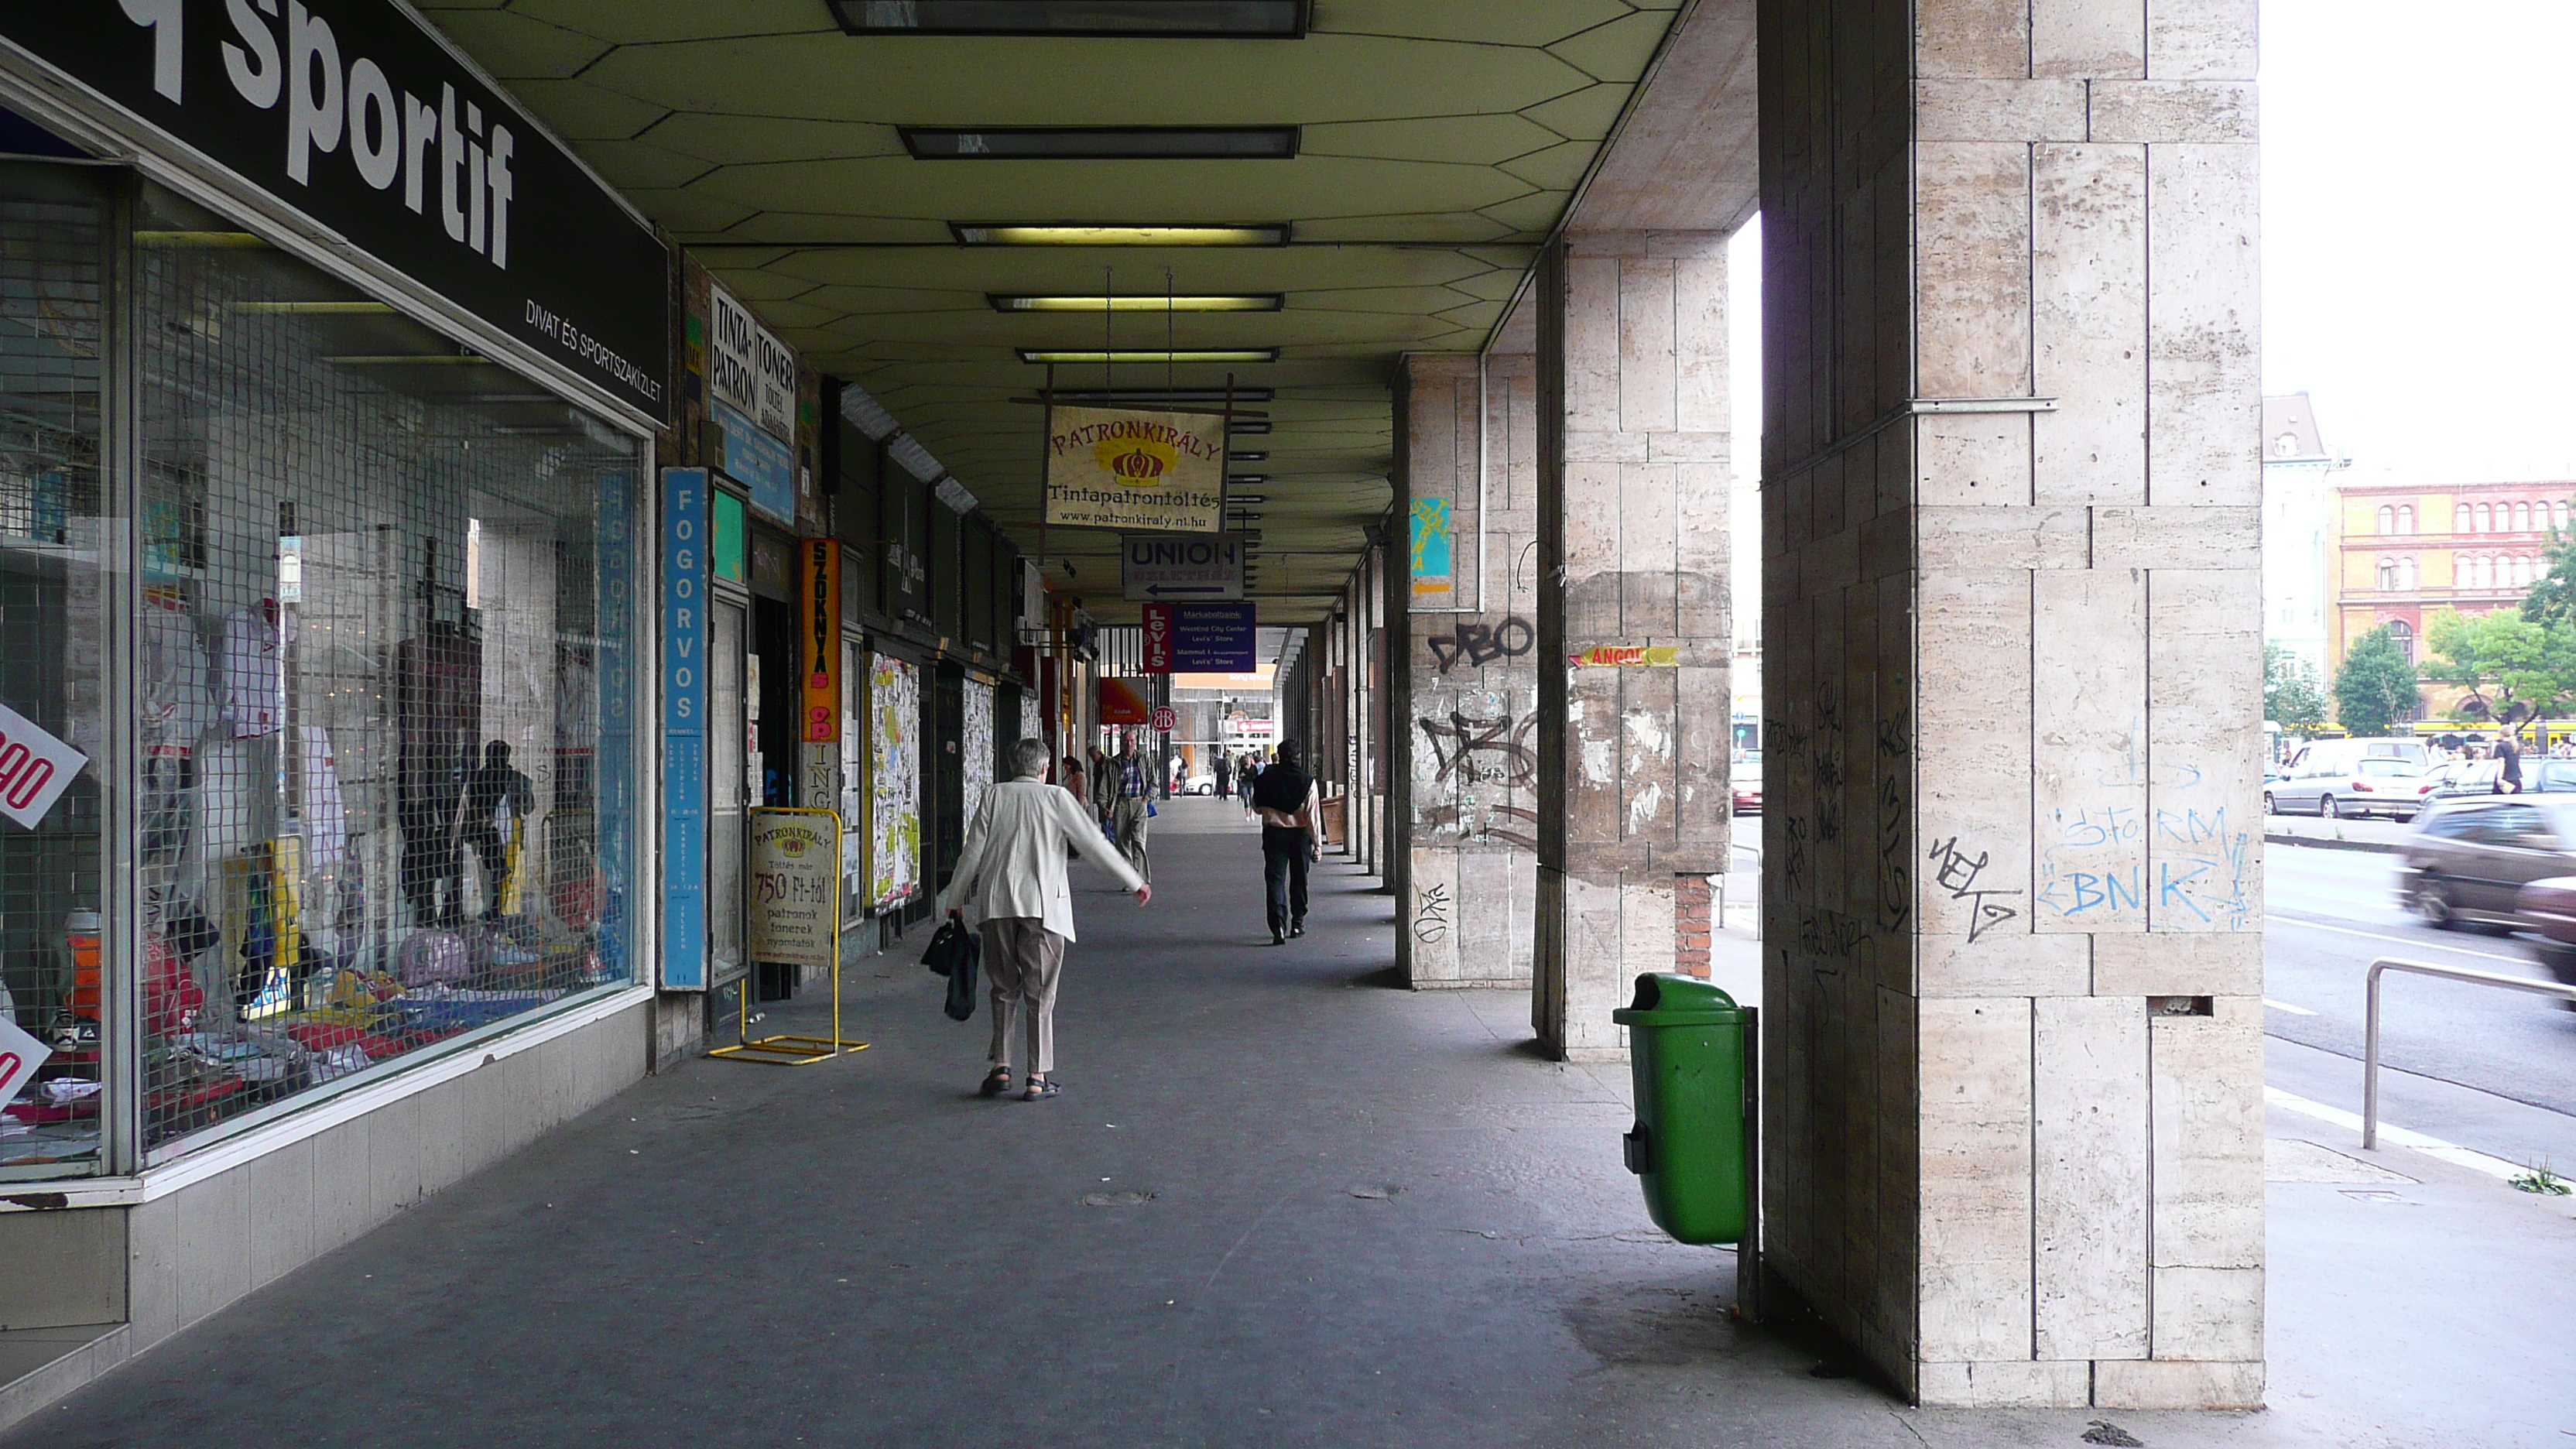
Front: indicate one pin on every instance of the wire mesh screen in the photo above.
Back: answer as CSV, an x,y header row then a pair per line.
x,y
385,663
53,231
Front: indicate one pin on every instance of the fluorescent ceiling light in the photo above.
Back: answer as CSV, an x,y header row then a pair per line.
x,y
1233,457
1164,395
1101,143
1212,19
1204,354
1231,302
954,494
1249,426
1086,234
867,414
1233,478
1233,498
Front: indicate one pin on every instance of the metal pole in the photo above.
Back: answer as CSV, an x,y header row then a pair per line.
x,y
2370,1027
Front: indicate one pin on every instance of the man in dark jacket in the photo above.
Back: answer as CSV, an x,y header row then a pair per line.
x,y
1292,836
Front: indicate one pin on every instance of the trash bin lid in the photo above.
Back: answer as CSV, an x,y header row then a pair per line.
x,y
1667,999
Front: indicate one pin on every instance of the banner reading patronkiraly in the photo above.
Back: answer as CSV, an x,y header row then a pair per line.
x,y
1138,471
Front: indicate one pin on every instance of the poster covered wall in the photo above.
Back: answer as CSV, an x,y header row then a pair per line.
x,y
894,778
978,746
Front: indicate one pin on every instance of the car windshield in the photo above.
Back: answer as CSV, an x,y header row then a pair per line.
x,y
2387,767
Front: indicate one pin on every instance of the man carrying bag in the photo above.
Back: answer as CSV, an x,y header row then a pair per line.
x,y
1292,836
1010,876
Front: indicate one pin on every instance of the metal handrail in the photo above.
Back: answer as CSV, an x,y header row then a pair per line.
x,y
2370,1029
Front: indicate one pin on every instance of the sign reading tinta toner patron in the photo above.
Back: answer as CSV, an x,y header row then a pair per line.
x,y
1143,472
357,116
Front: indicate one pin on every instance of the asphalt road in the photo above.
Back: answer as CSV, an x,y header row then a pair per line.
x,y
2332,912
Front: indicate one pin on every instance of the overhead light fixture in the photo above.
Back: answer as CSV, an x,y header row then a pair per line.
x,y
1250,427
1234,478
954,494
1125,395
1101,143
1234,457
1229,302
1204,354
1202,19
1095,234
1233,497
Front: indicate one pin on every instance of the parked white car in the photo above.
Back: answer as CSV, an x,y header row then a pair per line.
x,y
2394,788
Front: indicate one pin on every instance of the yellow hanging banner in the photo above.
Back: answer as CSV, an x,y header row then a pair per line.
x,y
1136,471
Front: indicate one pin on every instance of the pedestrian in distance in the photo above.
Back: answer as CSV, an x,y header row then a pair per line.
x,y
2509,778
1224,777
1131,807
1246,776
1072,781
1292,837
1010,878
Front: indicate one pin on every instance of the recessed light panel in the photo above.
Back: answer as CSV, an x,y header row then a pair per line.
x,y
1208,354
1096,304
1234,457
1087,234
1210,19
1102,143
1250,426
1125,396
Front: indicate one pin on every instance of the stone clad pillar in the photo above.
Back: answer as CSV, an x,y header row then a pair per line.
x,y
1635,635
1463,681
2013,869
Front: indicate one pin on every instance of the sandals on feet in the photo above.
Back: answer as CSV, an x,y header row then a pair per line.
x,y
1040,1089
996,1082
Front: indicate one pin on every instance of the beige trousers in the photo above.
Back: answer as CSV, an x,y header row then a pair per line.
x,y
1131,823
1024,960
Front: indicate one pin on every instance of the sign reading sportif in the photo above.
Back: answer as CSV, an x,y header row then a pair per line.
x,y
1137,471
366,122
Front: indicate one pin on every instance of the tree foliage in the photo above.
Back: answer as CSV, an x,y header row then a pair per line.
x,y
2515,668
2376,686
2292,696
2552,599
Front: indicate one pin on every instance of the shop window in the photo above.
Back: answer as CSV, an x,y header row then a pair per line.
x,y
55,955
388,618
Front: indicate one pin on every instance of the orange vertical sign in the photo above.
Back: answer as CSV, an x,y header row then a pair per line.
x,y
821,600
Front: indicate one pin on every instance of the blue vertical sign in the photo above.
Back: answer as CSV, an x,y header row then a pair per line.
x,y
684,729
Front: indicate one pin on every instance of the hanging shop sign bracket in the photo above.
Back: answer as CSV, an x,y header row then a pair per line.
x,y
795,911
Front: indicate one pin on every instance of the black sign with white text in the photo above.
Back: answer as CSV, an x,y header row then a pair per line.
x,y
355,114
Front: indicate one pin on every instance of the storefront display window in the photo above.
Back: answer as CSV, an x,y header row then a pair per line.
x,y
382,687
56,546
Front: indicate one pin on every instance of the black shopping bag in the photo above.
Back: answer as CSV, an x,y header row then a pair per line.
x,y
955,953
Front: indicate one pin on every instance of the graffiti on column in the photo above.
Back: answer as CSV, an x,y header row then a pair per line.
x,y
1482,644
1480,751
2203,868
1827,763
1431,921
1956,873
1895,872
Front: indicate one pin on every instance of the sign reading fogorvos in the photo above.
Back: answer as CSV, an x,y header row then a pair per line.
x,y
1145,472
749,367
360,118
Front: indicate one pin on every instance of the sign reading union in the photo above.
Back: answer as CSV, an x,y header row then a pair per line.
x,y
1144,472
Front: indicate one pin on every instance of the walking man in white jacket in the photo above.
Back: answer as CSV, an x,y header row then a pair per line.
x,y
1010,877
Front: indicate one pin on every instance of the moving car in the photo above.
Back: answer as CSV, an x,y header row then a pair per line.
x,y
1746,778
2342,786
2469,860
2545,910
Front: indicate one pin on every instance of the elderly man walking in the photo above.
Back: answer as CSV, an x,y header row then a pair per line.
x,y
1132,807
1010,877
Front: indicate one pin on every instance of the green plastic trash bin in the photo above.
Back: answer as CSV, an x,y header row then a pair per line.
x,y
1687,1046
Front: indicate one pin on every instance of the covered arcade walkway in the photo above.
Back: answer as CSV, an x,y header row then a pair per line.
x,y
1278,1204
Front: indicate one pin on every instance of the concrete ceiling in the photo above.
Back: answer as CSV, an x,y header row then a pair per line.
x,y
1441,142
